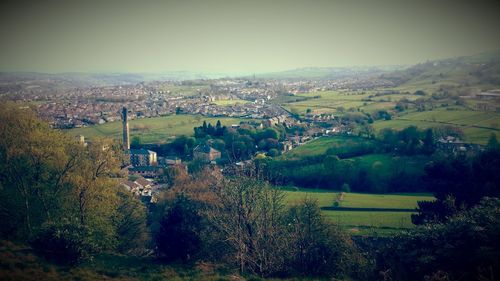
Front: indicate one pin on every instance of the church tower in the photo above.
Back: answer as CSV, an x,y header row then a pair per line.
x,y
126,135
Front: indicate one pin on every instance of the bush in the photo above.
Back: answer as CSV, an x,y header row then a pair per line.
x,y
65,243
273,152
345,188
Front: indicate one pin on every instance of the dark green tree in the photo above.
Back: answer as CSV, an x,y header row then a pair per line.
x,y
179,235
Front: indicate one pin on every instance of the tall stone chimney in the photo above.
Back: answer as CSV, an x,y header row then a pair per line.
x,y
126,135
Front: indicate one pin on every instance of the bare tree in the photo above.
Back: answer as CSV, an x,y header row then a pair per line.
x,y
248,214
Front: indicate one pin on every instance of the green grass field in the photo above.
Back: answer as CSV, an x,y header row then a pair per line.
x,y
326,102
476,125
153,130
329,101
360,221
338,144
388,164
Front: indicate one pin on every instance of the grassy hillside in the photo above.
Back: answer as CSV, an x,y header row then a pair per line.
x,y
336,145
152,130
482,70
477,125
18,262
326,102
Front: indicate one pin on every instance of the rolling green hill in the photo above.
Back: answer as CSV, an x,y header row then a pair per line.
x,y
477,71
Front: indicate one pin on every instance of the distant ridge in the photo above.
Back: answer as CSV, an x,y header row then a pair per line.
x,y
328,72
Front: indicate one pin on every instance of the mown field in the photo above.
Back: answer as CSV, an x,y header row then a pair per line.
x,y
330,101
336,144
153,130
326,102
362,216
476,125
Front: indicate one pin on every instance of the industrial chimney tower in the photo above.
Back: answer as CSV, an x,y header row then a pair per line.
x,y
126,135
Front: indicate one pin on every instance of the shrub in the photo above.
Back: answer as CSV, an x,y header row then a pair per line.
x,y
345,188
65,243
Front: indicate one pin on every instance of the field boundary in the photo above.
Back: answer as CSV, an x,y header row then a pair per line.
x,y
368,209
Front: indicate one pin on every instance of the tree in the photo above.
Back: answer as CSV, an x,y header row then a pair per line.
x,y
318,248
55,191
429,145
345,188
136,142
65,242
131,226
465,247
179,235
36,164
492,142
459,183
273,152
247,214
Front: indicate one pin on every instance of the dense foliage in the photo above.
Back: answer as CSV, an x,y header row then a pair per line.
x,y
59,194
459,182
465,247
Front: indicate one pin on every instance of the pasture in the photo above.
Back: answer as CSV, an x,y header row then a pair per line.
x,y
336,145
153,130
361,215
476,125
330,101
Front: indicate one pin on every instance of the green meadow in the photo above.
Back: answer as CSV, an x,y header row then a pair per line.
x,y
362,216
153,130
336,145
330,101
476,125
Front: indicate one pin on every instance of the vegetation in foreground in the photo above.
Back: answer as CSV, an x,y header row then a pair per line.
x,y
61,199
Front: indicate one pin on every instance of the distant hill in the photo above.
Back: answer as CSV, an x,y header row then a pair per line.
x,y
481,70
323,73
77,79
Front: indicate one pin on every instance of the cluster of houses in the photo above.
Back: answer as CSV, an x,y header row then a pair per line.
x,y
141,188
146,167
454,145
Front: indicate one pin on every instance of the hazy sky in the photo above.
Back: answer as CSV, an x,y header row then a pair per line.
x,y
238,36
